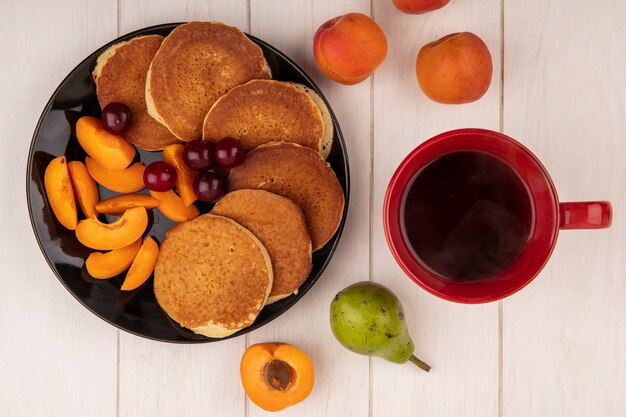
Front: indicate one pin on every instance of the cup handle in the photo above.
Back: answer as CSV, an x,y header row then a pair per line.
x,y
585,215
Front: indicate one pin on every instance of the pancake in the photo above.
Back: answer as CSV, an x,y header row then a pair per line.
x,y
298,173
263,111
196,64
213,276
120,75
280,226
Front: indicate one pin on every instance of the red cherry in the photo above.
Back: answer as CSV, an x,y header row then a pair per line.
x,y
116,118
209,186
229,152
198,155
159,176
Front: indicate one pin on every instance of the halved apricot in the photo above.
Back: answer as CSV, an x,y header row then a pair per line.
x,y
173,208
111,151
276,375
85,188
127,180
60,194
107,265
142,265
120,203
173,155
94,234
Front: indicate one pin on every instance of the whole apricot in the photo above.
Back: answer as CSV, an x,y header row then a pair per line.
x,y
349,48
419,6
455,69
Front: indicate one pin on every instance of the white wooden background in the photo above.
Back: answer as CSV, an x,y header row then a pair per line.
x,y
558,348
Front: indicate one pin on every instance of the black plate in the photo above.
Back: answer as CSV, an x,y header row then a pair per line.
x,y
137,312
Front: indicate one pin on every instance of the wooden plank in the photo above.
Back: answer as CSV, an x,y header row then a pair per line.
x,y
136,14
565,84
160,379
459,341
53,350
341,386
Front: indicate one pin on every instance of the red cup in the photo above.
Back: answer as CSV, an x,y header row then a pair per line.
x,y
549,216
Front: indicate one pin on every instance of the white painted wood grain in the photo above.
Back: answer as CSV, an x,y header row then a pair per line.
x,y
341,379
56,358
564,350
137,14
565,89
158,379
459,341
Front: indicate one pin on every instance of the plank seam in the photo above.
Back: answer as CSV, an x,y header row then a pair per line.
x,y
248,19
370,385
119,16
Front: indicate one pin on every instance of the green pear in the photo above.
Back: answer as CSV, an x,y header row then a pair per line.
x,y
367,318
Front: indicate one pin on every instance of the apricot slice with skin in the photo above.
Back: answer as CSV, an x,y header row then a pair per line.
x,y
173,207
110,151
107,265
276,375
120,203
94,234
60,193
173,155
142,265
85,188
127,180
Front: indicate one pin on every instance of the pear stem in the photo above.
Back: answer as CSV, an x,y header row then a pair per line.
x,y
419,363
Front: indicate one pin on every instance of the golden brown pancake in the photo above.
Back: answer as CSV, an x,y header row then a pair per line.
x,y
298,173
263,111
213,276
196,64
279,224
120,75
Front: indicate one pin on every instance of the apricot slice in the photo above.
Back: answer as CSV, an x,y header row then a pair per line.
x,y
173,207
94,234
111,151
142,266
107,265
120,203
173,155
85,188
60,194
127,180
276,375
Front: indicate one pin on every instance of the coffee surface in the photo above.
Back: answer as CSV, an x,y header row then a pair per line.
x,y
467,216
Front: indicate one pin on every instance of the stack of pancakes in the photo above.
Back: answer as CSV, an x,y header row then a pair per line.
x,y
207,81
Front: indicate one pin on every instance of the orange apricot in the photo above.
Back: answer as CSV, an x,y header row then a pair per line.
x,y
455,69
107,265
111,151
94,234
349,48
173,155
85,188
173,207
276,375
127,180
60,194
120,203
142,266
